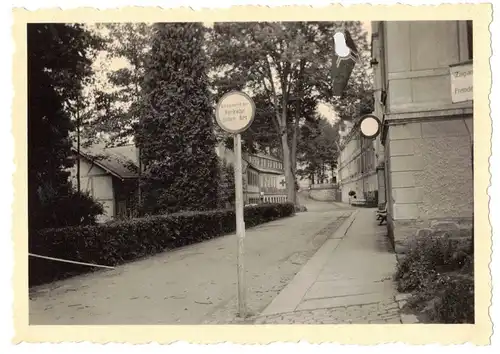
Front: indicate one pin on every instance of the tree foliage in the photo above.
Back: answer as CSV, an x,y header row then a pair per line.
x,y
317,149
59,64
115,100
226,186
283,65
176,132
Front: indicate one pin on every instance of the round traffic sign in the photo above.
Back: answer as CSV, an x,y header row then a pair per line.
x,y
370,126
235,112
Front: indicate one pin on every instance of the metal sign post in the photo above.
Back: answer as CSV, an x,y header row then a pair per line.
x,y
235,113
240,225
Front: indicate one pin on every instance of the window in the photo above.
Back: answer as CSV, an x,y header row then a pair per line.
x,y
470,39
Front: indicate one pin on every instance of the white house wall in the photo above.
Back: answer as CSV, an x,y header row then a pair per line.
x,y
98,183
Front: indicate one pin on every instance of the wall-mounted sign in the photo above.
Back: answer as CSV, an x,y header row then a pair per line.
x,y
462,85
235,112
369,126
344,59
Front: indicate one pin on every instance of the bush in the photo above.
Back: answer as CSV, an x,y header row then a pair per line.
x,y
454,300
352,193
428,256
121,241
438,271
73,209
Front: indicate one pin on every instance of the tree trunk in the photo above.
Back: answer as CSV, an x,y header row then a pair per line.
x,y
139,163
296,129
290,180
293,156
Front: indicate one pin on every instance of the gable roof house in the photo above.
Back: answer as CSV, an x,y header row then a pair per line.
x,y
110,176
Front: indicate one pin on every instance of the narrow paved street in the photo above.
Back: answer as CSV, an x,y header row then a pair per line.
x,y
195,284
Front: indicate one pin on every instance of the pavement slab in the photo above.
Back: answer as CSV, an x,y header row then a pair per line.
x,y
349,280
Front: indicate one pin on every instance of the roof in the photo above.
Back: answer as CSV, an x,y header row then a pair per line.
x,y
266,156
121,161
265,170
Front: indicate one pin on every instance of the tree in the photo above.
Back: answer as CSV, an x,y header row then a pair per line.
x,y
317,149
226,186
176,132
287,63
116,96
59,64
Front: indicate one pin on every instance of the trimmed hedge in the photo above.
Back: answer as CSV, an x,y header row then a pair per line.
x,y
117,242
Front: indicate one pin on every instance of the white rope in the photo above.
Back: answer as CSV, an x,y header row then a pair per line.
x,y
66,261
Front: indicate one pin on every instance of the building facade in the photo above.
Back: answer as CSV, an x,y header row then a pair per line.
x,y
423,96
356,170
266,179
263,176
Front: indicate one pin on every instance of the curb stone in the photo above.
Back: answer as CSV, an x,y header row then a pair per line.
x,y
290,297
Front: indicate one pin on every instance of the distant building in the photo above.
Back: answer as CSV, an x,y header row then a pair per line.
x,y
424,98
263,176
356,168
266,172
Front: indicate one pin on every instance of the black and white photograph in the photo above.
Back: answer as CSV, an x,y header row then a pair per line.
x,y
251,172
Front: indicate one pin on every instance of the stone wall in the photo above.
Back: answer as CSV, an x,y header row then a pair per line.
x,y
455,230
324,195
431,174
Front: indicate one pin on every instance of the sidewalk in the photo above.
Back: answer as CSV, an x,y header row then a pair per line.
x,y
348,280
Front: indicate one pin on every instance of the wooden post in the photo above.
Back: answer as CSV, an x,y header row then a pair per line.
x,y
240,226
